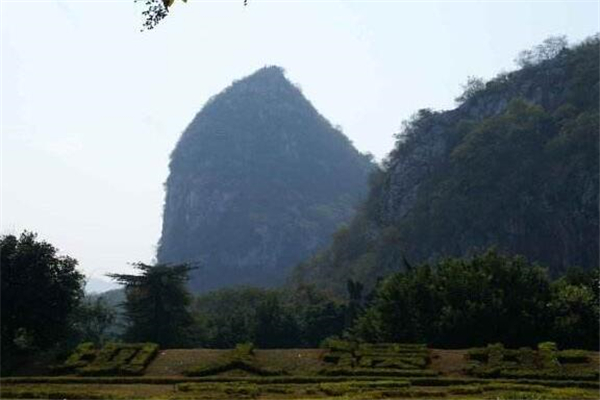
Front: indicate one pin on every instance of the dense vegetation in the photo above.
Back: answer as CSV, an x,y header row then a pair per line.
x,y
267,318
40,291
514,166
156,306
454,303
111,359
486,299
258,181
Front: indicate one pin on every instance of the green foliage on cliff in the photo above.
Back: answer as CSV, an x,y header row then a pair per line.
x,y
515,166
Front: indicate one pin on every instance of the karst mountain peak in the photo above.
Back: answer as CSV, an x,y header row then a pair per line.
x,y
258,181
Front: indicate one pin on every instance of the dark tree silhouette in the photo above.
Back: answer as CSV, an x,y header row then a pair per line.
x,y
157,303
39,291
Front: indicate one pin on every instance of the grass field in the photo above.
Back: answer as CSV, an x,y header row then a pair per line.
x,y
364,372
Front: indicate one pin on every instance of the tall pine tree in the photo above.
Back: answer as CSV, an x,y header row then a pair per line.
x,y
157,304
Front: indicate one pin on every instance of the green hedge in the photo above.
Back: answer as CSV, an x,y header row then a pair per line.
x,y
573,356
547,354
242,358
81,356
112,359
218,368
478,354
347,355
495,361
376,372
415,381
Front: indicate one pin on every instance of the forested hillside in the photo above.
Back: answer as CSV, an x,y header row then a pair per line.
x,y
258,182
514,166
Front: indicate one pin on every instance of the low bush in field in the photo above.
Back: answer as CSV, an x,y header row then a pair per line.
x,y
412,393
438,381
478,354
573,356
546,363
466,389
82,356
240,358
377,372
384,357
112,359
496,386
225,366
339,345
48,393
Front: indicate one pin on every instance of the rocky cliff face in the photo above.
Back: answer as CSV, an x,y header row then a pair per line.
x,y
550,85
258,182
515,166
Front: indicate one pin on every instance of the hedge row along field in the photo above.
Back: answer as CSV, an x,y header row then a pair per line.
x,y
381,359
547,362
112,359
241,358
340,370
377,389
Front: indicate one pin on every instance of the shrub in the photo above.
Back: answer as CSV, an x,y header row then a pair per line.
x,y
107,352
242,358
551,375
243,390
495,354
332,357
81,356
547,355
377,372
225,366
514,386
399,364
526,357
339,345
478,354
337,389
244,349
573,356
414,393
112,359
445,381
467,389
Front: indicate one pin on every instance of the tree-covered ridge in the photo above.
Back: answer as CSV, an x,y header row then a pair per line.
x,y
258,181
514,166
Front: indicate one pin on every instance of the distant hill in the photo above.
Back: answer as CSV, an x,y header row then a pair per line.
x,y
258,182
515,166
97,285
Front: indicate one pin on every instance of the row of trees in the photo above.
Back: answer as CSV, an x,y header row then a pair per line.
x,y
455,303
43,306
485,299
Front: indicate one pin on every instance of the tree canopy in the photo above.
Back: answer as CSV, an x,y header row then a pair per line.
x,y
40,289
156,305
488,298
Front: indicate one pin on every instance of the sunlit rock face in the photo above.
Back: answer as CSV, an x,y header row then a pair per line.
x,y
258,182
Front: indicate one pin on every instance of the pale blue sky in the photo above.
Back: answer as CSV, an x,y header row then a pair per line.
x,y
91,108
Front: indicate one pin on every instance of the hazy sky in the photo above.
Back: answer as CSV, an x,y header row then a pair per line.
x,y
91,107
